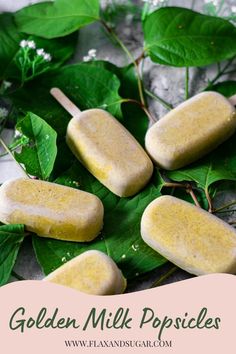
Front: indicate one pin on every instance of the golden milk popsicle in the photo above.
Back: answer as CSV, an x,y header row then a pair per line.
x,y
106,148
191,130
92,272
189,236
51,210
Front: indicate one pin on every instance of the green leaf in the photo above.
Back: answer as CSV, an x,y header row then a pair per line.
x,y
180,37
11,238
9,39
40,154
217,166
87,86
58,18
226,88
120,237
61,49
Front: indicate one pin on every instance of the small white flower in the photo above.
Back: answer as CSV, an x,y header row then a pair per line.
x,y
47,57
40,52
86,58
233,9
23,43
92,53
17,134
6,84
3,112
31,44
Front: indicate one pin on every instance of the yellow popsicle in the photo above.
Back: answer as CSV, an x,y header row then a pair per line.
x,y
191,130
92,272
189,237
51,210
106,149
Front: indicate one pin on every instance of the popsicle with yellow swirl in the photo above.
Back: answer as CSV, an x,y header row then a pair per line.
x,y
106,149
189,236
51,210
92,272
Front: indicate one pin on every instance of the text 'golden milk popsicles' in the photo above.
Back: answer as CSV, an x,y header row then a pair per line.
x,y
189,237
92,272
106,149
51,210
191,130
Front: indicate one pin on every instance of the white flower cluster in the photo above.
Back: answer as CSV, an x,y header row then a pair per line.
x,y
233,8
3,112
46,56
40,52
27,44
92,53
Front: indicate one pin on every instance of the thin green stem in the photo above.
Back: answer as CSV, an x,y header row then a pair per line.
x,y
150,117
186,83
225,206
219,74
11,154
164,103
220,7
145,10
130,55
210,205
133,101
226,211
193,196
164,277
17,276
188,187
230,72
12,150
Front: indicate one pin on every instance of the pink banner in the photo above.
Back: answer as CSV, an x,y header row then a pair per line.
x,y
192,316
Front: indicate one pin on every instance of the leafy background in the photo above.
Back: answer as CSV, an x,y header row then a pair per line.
x,y
107,90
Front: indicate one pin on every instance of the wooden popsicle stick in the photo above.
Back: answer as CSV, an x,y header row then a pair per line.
x,y
232,100
64,101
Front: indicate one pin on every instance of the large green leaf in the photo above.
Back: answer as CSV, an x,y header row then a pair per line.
x,y
40,154
217,166
11,238
61,49
58,18
9,39
180,37
86,85
120,237
226,88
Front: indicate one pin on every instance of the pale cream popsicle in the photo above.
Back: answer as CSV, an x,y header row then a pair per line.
x,y
189,237
51,210
106,149
92,272
191,130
